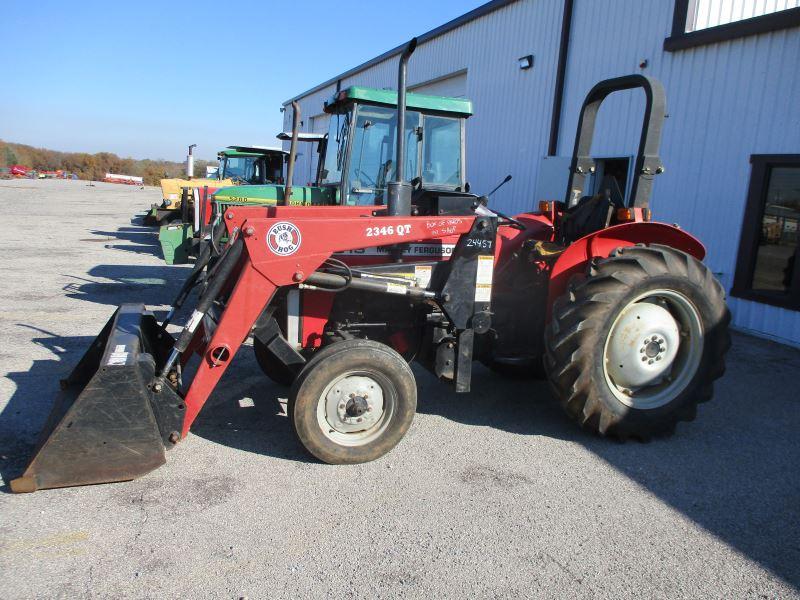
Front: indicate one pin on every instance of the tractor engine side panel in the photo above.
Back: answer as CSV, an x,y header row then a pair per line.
x,y
519,292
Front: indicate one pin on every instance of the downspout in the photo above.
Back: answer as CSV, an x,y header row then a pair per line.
x,y
561,72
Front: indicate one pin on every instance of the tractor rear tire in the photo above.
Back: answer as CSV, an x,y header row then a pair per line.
x,y
596,332
353,402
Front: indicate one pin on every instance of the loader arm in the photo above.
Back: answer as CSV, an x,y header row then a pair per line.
x,y
286,248
126,399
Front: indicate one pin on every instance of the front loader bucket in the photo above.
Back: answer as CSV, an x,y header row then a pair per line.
x,y
107,425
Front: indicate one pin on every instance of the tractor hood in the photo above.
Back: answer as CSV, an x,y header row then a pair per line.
x,y
271,195
171,188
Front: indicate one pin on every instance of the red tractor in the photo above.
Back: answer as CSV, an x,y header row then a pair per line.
x,y
618,311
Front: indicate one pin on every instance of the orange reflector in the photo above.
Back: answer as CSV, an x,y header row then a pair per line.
x,y
545,206
633,214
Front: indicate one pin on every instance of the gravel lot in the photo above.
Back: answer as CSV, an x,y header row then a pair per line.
x,y
490,494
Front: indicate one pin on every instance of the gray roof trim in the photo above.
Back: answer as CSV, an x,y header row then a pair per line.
x,y
477,13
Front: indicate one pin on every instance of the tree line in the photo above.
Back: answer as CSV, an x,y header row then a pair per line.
x,y
94,167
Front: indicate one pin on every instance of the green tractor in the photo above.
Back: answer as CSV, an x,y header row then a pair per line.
x,y
252,165
356,160
357,155
186,201
237,165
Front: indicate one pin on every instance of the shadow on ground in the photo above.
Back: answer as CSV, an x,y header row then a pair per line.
x,y
153,285
733,472
115,284
139,240
35,392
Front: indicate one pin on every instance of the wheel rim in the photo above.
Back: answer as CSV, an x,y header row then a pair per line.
x,y
356,407
653,349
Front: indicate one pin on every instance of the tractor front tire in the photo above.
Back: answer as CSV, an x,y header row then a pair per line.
x,y
635,346
353,402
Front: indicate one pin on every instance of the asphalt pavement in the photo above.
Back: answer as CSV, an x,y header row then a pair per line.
x,y
491,494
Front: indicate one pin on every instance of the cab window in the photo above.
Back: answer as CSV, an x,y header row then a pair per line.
x,y
336,149
441,152
243,169
372,163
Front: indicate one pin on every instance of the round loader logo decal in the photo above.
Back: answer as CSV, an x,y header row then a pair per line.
x,y
283,238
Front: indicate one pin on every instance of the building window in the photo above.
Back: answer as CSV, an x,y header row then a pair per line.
x,y
702,14
767,268
700,22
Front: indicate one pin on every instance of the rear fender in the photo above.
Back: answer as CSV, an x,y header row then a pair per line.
x,y
602,243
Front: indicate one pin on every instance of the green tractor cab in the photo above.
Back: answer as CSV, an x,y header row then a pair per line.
x,y
357,159
238,165
357,155
274,193
252,165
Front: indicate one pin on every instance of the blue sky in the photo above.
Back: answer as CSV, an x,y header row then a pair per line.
x,y
145,79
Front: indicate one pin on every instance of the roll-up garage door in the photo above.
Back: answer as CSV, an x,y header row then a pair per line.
x,y
454,85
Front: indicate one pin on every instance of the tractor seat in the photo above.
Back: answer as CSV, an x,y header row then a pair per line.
x,y
590,214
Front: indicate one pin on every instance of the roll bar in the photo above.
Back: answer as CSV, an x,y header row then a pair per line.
x,y
648,163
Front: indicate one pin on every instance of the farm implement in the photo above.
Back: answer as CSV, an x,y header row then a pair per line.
x,y
239,165
186,208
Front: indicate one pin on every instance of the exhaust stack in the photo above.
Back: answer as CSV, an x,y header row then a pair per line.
x,y
190,162
287,193
398,192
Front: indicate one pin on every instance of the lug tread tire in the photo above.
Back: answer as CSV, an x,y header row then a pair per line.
x,y
321,369
583,315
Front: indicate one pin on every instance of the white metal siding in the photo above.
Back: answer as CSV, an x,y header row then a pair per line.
x,y
512,106
726,101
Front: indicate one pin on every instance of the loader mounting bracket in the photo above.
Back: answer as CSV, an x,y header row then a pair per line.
x,y
269,333
465,298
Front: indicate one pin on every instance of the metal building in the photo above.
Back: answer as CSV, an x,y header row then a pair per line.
x,y
731,144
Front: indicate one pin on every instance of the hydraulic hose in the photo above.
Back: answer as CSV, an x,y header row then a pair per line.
x,y
192,279
228,262
331,282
